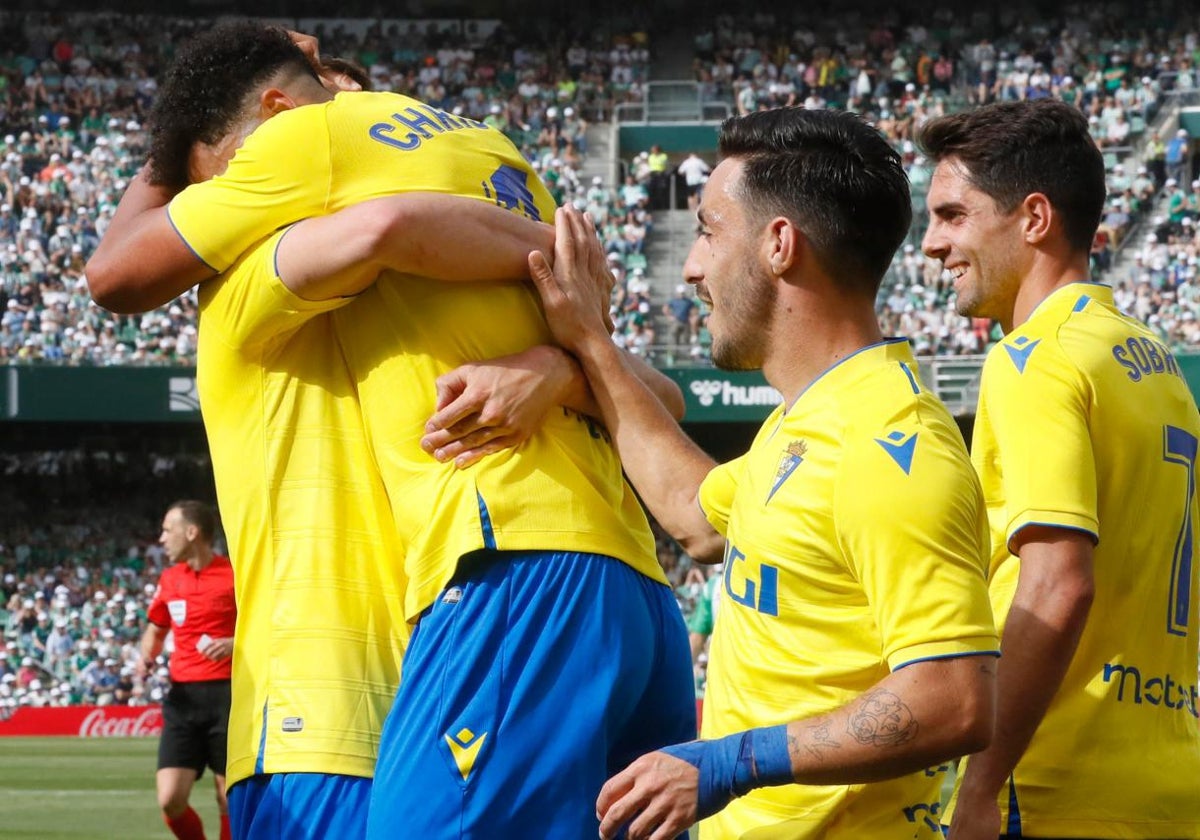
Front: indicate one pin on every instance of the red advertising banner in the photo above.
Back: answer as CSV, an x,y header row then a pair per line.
x,y
84,721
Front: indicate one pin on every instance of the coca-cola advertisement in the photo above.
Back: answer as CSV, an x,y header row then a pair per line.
x,y
84,721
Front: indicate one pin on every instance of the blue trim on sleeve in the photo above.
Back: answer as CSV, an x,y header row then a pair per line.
x,y
912,380
1014,810
187,244
485,522
1095,537
275,255
945,656
275,258
1081,303
262,745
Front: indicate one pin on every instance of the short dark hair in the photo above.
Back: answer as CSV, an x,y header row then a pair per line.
x,y
207,86
1012,149
202,515
833,176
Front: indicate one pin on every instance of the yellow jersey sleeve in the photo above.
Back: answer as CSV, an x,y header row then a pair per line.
x,y
910,522
249,306
280,175
1046,465
717,492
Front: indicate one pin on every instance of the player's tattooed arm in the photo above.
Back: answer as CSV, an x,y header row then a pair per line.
x,y
817,740
883,720
917,717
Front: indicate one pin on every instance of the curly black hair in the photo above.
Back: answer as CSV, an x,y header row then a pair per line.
x,y
208,85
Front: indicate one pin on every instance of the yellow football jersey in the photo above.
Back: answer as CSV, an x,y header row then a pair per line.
x,y
856,545
317,565
1086,423
563,489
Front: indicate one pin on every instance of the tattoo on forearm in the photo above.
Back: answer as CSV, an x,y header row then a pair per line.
x,y
820,740
882,720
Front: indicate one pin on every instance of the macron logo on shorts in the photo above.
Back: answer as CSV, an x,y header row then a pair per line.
x,y
464,747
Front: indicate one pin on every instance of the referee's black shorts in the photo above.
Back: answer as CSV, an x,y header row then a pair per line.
x,y
195,726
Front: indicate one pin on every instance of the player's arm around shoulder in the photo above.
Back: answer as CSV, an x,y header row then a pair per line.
x,y
141,263
442,237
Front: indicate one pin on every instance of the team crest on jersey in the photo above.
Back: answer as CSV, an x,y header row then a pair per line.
x,y
791,458
178,610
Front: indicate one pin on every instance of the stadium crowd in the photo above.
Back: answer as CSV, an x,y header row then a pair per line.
x,y
74,97
901,74
73,101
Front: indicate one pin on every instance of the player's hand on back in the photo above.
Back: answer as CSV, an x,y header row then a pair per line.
x,y
577,291
485,407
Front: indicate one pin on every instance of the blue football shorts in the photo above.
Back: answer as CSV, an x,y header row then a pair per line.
x,y
533,678
299,806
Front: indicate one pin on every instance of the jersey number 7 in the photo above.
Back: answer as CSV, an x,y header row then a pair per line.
x,y
1179,447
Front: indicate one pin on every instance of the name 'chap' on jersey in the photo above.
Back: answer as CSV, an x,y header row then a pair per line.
x,y
420,120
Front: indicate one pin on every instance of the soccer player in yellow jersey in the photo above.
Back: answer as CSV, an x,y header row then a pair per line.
x,y
321,570
1085,442
547,536
855,649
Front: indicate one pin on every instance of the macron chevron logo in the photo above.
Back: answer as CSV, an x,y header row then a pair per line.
x,y
1020,350
464,747
901,448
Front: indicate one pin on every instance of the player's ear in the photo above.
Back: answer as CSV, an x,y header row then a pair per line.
x,y
782,244
1038,215
273,101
